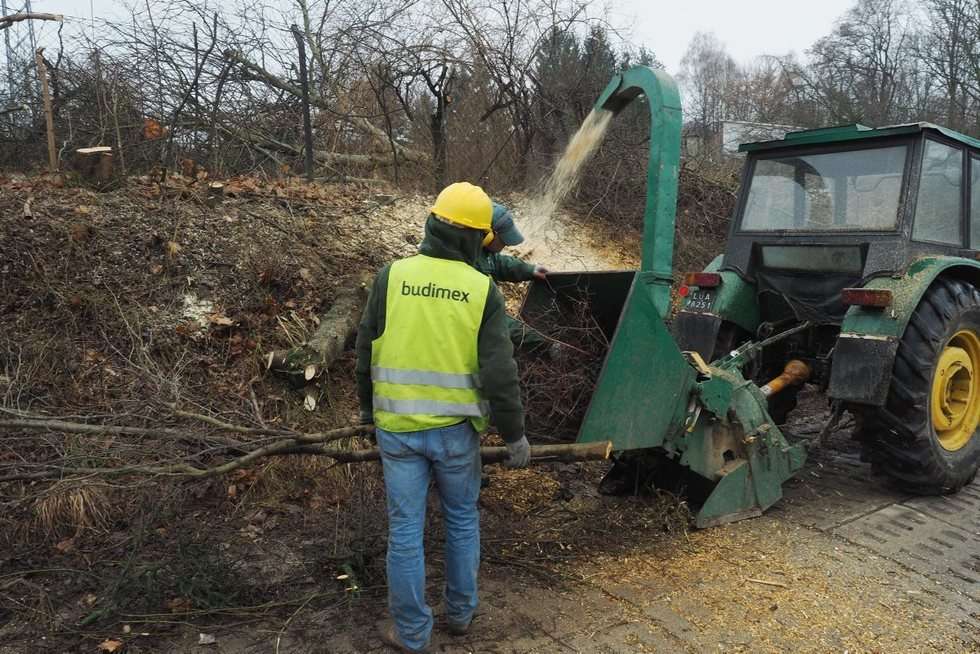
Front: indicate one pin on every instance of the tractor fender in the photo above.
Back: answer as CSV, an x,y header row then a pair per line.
x,y
864,354
696,327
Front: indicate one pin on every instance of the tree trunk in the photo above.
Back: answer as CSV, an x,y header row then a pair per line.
x,y
304,363
437,125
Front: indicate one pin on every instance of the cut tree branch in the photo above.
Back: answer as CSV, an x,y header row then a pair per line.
x,y
539,453
52,425
7,21
362,123
323,157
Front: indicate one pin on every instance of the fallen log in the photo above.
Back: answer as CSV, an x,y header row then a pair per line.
x,y
360,123
337,325
325,158
566,452
363,160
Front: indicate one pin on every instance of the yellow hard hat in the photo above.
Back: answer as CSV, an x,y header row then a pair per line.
x,y
466,205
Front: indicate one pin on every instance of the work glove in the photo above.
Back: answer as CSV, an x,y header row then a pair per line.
x,y
520,453
540,272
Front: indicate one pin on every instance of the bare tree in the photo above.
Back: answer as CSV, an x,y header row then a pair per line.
x,y
946,46
506,39
707,72
861,71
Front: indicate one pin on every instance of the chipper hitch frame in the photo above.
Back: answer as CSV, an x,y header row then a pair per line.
x,y
650,396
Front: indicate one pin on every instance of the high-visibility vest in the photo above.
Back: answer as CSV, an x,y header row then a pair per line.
x,y
425,366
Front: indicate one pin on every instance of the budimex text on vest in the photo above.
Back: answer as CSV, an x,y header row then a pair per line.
x,y
439,292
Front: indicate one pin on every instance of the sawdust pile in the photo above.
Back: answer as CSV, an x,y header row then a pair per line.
x,y
521,491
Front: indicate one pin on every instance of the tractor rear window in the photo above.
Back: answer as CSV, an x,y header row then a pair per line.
x,y
854,190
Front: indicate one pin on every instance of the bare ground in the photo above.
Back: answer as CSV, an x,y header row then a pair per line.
x,y
288,556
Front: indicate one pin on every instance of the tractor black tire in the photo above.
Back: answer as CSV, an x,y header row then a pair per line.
x,y
782,403
729,337
899,439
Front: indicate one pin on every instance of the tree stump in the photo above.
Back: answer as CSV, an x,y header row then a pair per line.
x,y
94,165
216,193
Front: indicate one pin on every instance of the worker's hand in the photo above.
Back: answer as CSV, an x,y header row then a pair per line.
x,y
366,417
540,272
520,453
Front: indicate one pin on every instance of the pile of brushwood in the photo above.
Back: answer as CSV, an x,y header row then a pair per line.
x,y
557,380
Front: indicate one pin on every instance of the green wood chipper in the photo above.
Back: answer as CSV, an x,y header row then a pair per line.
x,y
847,268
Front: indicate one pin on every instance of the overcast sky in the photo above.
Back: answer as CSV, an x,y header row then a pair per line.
x,y
747,27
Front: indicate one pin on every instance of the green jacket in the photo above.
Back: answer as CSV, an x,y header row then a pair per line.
x,y
504,268
498,371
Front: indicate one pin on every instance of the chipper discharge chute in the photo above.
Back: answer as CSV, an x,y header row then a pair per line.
x,y
657,404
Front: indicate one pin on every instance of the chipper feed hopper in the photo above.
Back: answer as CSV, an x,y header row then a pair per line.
x,y
654,402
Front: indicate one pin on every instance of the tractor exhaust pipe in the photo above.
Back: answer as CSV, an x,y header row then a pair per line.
x,y
795,373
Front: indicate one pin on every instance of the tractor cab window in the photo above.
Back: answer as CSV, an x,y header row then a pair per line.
x,y
937,209
836,191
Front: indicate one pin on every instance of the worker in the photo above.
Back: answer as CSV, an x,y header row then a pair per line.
x,y
434,362
504,268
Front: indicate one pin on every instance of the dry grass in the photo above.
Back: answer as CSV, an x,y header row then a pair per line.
x,y
316,480
70,510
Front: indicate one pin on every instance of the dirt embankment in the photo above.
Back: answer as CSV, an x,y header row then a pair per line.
x,y
122,308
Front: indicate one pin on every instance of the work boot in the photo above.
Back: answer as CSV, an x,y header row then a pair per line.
x,y
389,636
458,628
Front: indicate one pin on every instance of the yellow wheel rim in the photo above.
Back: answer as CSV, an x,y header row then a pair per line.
x,y
955,404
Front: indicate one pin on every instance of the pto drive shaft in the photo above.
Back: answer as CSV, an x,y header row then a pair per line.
x,y
795,373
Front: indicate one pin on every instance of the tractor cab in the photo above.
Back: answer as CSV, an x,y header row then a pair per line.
x,y
824,210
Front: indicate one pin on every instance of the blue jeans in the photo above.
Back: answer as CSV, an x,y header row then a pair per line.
x,y
410,460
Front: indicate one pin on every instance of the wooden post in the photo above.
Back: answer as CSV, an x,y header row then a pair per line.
x,y
42,72
305,86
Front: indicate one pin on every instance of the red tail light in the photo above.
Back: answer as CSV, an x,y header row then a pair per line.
x,y
702,279
866,297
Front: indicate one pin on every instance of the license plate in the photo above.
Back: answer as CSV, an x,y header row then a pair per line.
x,y
700,300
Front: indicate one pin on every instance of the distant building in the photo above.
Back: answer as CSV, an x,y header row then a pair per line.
x,y
736,132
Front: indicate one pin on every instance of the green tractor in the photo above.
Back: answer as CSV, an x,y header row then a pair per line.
x,y
851,266
870,237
